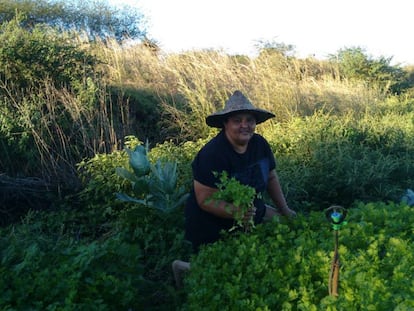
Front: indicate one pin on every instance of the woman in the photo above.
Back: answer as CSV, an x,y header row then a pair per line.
x,y
243,154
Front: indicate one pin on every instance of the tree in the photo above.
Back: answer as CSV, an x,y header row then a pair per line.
x,y
355,64
270,46
29,58
95,18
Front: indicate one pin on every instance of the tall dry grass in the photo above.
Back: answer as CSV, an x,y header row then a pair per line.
x,y
193,84
188,86
60,128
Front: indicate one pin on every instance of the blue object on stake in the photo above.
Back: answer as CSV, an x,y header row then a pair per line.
x,y
336,215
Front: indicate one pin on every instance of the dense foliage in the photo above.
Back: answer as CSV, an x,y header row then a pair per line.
x,y
285,265
96,18
92,219
96,252
329,159
356,65
39,119
49,269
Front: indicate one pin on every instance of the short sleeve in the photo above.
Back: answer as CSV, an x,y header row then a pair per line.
x,y
204,166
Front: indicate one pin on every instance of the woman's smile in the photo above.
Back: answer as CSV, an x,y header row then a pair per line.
x,y
239,129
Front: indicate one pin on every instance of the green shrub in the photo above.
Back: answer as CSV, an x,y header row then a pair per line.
x,y
147,212
154,217
96,200
183,154
112,254
328,159
285,265
51,106
29,57
44,269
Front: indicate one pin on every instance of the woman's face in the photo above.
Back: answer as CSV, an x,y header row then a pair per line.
x,y
240,128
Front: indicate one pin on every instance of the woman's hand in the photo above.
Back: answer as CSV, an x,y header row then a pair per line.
x,y
249,215
286,211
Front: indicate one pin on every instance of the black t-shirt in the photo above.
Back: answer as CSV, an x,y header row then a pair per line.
x,y
250,168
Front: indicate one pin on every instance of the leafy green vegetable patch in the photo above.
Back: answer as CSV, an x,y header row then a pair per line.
x,y
284,265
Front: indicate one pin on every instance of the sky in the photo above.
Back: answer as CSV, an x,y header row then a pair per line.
x,y
316,28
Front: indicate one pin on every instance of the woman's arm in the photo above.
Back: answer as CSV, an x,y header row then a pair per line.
x,y
276,194
218,208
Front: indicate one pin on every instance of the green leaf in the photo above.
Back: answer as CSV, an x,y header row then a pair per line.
x,y
124,173
126,198
139,161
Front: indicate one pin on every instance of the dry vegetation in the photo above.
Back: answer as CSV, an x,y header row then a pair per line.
x,y
191,85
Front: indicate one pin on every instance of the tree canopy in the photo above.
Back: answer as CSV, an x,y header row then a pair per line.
x,y
96,18
356,64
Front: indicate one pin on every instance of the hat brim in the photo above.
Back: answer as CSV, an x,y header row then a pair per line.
x,y
217,119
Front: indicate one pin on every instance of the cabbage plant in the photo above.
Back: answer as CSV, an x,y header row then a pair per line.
x,y
153,185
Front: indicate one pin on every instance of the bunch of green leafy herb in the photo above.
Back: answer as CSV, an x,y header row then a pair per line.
x,y
231,191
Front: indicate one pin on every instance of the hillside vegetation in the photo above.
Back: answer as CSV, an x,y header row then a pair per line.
x,y
82,229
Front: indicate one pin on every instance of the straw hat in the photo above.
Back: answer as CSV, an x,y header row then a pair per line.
x,y
237,103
